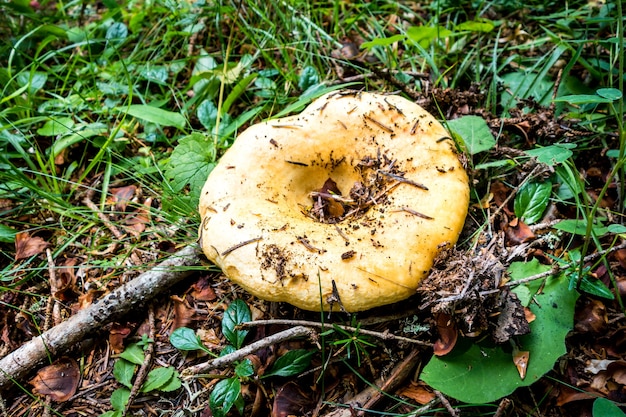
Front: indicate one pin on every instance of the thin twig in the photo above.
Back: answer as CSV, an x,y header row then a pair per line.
x,y
145,366
402,179
240,245
453,412
379,335
222,361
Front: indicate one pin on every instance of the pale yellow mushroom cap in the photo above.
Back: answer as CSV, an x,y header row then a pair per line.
x,y
273,227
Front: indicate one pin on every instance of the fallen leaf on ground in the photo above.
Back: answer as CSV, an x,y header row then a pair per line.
x,y
448,335
518,232
292,400
418,392
520,359
202,290
27,246
122,196
117,335
591,318
58,381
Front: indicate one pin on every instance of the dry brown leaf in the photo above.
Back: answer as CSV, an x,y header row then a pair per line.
x,y
138,220
27,246
448,335
63,286
183,312
418,392
122,196
292,400
117,335
202,290
518,232
58,381
520,359
591,318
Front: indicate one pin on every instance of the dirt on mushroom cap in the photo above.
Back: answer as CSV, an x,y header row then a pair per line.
x,y
360,190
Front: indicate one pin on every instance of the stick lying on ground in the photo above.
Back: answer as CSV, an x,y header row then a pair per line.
x,y
60,338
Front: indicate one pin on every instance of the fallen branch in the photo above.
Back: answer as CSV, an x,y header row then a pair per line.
x,y
223,361
61,338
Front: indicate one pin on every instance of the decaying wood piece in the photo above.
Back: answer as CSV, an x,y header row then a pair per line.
x,y
61,338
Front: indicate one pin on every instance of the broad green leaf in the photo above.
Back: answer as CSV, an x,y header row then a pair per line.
x,y
155,115
85,132
7,234
579,227
482,373
56,126
532,200
606,408
554,154
481,25
382,41
424,35
119,398
308,96
612,94
244,369
123,372
236,313
521,270
35,81
616,228
157,378
291,363
133,354
224,396
473,132
523,85
111,414
184,338
173,384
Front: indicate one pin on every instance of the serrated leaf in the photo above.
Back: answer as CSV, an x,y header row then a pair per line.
x,y
236,313
224,396
119,398
554,154
133,354
155,115
482,373
173,384
473,132
185,338
123,372
244,369
532,200
190,164
157,378
291,363
606,408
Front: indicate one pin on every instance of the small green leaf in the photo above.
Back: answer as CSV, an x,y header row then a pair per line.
x,y
554,154
133,354
612,94
606,408
56,126
244,369
224,396
184,338
155,115
291,363
480,25
424,35
521,270
579,227
7,234
119,398
117,32
583,99
473,132
616,228
157,378
532,200
123,372
308,77
382,41
593,286
236,313
173,384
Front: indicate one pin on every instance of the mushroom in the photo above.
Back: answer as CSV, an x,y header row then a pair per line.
x,y
344,206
